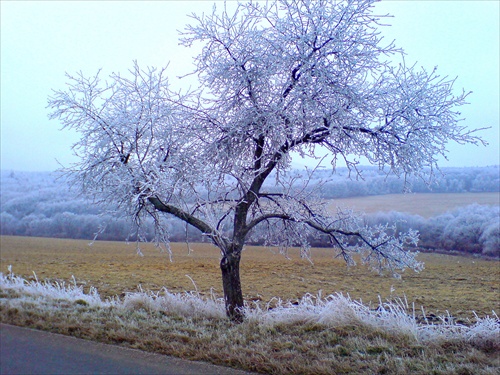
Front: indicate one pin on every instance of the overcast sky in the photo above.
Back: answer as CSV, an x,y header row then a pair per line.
x,y
40,41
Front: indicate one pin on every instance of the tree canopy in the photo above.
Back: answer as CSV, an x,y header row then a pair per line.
x,y
275,79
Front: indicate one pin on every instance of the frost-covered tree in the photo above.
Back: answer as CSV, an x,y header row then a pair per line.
x,y
275,78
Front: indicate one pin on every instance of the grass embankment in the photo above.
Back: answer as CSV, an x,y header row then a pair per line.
x,y
314,336
333,335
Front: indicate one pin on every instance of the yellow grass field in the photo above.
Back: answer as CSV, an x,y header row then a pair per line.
x,y
425,205
460,285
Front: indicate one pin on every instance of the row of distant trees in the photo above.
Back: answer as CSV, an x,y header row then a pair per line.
x,y
43,205
376,182
472,229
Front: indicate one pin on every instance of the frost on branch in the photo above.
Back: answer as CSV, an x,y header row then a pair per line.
x,y
275,78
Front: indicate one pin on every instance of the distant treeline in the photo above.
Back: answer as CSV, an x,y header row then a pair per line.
x,y
473,229
42,204
376,182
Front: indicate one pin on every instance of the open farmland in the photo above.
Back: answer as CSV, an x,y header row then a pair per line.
x,y
456,284
423,204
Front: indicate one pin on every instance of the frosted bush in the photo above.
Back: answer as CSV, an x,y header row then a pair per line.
x,y
51,290
183,304
337,310
485,332
490,238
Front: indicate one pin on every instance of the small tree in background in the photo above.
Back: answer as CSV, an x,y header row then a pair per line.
x,y
287,76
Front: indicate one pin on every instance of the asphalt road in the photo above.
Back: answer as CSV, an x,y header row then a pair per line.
x,y
27,351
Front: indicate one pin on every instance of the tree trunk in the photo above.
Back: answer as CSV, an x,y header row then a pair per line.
x,y
233,297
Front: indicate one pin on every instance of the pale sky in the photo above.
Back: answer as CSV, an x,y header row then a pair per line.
x,y
41,40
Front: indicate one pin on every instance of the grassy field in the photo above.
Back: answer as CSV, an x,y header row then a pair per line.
x,y
460,285
425,205
329,340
